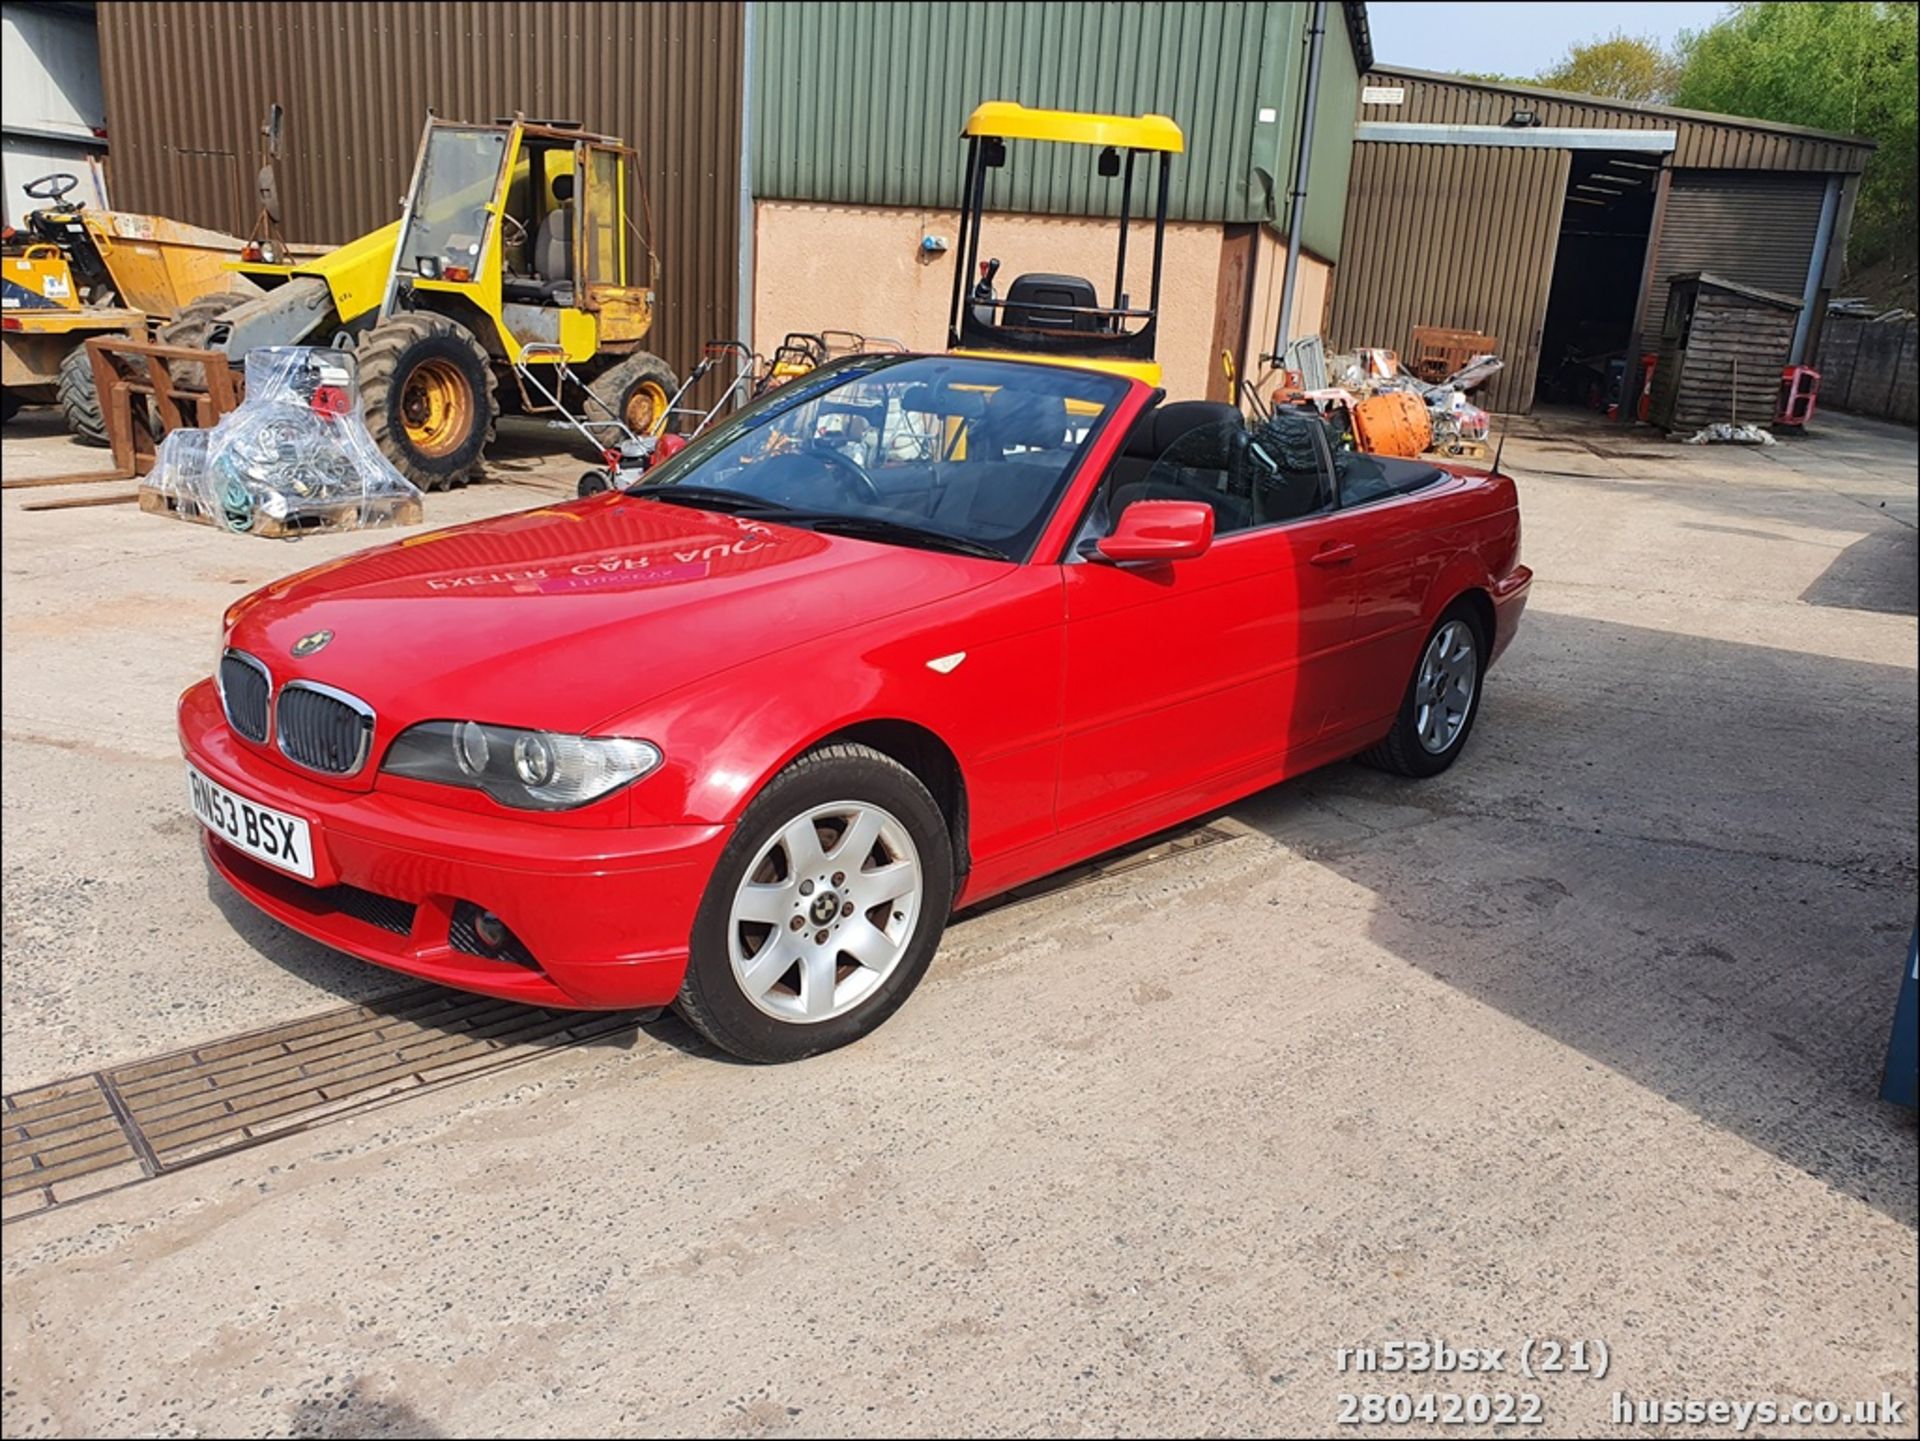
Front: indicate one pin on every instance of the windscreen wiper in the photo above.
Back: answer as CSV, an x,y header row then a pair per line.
x,y
705,497
868,527
857,527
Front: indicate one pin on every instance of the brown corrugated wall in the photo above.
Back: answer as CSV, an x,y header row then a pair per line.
x,y
1701,141
1455,236
187,86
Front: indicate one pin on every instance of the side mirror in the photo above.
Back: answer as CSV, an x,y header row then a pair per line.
x,y
1152,531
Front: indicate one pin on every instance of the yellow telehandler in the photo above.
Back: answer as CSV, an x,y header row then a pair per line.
x,y
515,277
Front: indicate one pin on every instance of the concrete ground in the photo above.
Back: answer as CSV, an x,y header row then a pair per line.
x,y
1579,1040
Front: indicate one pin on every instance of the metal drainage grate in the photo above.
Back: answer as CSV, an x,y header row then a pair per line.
x,y
95,1133
62,1141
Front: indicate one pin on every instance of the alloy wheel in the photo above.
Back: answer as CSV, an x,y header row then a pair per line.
x,y
826,912
1443,694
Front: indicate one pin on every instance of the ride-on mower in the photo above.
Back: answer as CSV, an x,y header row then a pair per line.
x,y
1046,314
514,254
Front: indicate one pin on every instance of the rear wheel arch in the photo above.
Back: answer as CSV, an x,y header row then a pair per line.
x,y
1480,603
1464,577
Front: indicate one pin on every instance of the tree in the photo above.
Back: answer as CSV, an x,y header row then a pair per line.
x,y
1621,67
1842,67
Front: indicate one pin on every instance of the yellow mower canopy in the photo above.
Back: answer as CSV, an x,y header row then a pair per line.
x,y
1013,121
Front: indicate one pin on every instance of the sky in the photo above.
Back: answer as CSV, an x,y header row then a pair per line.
x,y
1515,38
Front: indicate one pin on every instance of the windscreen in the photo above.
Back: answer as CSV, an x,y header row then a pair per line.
x,y
979,451
458,179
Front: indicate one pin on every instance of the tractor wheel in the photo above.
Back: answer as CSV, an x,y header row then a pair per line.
x,y
426,388
637,390
189,327
79,401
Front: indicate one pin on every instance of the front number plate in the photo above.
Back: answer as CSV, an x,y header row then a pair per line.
x,y
281,840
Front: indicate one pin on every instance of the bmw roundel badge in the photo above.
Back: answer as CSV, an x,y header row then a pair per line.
x,y
308,644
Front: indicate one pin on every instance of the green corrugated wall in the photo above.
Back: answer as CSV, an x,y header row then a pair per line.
x,y
1332,161
861,102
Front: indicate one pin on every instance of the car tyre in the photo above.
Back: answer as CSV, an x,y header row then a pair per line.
x,y
1443,698
854,959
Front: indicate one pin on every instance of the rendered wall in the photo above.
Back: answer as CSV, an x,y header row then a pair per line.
x,y
852,267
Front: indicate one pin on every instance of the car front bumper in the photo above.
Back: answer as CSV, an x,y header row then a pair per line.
x,y
602,916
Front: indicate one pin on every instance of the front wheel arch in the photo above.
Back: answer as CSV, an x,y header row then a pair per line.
x,y
922,752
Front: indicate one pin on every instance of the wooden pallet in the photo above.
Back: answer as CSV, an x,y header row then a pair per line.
x,y
1437,352
313,520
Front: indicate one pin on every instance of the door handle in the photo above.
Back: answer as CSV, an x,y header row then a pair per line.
x,y
1337,552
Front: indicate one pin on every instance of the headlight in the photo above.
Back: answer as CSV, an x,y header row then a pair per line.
x,y
532,770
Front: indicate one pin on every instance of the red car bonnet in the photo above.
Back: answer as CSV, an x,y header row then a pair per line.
x,y
561,616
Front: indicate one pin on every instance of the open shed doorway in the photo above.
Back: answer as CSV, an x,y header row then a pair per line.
x,y
1604,226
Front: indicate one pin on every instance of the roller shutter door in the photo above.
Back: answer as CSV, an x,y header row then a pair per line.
x,y
1753,227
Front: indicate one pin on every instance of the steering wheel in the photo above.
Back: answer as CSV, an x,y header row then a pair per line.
x,y
787,477
518,233
49,187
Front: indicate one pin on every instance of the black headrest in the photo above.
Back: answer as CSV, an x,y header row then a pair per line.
x,y
1060,289
563,187
1038,422
929,400
1033,300
1156,431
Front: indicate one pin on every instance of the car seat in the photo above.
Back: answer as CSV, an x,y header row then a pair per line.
x,y
552,254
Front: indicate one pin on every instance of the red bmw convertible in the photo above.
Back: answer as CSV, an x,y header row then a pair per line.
x,y
907,632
